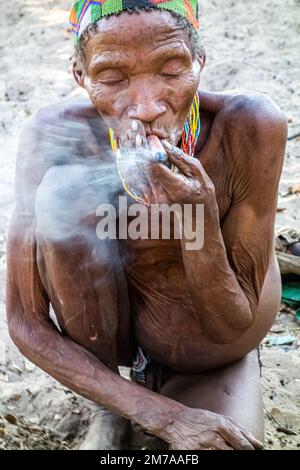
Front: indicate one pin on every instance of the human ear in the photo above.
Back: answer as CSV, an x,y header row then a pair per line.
x,y
78,73
201,58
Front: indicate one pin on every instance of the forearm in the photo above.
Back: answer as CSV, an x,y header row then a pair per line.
x,y
220,302
82,372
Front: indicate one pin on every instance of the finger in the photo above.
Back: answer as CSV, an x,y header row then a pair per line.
x,y
255,442
224,446
123,139
189,166
138,128
220,444
248,435
187,446
140,141
131,132
158,151
236,439
213,442
156,177
138,133
130,139
162,182
163,176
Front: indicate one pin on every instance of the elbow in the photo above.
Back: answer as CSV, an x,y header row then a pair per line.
x,y
31,339
20,336
17,335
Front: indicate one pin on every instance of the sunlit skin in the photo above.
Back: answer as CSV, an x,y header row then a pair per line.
x,y
202,313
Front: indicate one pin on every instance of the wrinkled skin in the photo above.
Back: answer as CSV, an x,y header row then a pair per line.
x,y
199,312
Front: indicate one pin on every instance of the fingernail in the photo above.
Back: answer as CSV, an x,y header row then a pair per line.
x,y
161,157
138,141
134,126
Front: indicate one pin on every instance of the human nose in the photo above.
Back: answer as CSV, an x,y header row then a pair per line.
x,y
146,102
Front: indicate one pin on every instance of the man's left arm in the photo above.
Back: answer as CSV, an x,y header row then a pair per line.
x,y
226,277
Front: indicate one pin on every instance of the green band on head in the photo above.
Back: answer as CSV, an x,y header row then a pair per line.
x,y
85,12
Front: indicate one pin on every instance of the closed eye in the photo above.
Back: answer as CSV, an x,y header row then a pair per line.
x,y
110,76
112,82
173,68
171,75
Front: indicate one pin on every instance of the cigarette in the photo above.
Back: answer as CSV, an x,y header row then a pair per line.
x,y
157,149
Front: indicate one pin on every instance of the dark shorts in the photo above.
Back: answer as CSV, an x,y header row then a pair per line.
x,y
153,375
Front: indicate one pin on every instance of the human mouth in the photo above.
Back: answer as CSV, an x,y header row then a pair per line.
x,y
159,134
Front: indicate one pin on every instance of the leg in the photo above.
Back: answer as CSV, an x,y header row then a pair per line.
x,y
84,280
233,391
82,275
107,431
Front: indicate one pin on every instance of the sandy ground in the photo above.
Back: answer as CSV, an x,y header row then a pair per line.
x,y
251,45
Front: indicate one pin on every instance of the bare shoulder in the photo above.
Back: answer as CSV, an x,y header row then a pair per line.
x,y
255,133
68,109
256,114
73,119
61,133
252,134
252,127
253,106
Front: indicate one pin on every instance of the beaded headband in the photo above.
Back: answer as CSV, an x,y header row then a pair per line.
x,y
85,12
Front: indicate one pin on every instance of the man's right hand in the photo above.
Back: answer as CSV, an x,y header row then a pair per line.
x,y
194,429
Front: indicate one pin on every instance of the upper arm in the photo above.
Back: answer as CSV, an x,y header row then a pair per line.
x,y
55,135
256,136
26,299
60,134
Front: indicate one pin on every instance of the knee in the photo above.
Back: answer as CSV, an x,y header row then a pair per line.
x,y
64,198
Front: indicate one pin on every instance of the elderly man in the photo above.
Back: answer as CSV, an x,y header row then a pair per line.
x,y
196,317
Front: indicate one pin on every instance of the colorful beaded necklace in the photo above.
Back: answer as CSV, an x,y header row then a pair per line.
x,y
188,142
